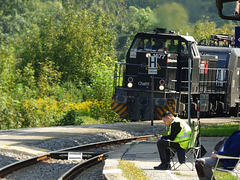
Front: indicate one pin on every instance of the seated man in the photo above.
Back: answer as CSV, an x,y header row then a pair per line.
x,y
148,44
179,130
231,147
172,47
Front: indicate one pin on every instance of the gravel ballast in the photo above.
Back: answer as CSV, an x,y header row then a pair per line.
x,y
54,168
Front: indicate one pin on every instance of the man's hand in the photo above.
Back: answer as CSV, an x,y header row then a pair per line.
x,y
158,137
213,155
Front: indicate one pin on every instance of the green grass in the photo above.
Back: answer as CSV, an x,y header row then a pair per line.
x,y
131,172
180,174
224,176
219,129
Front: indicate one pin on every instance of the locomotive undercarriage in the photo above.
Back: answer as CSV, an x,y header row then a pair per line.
x,y
213,106
139,103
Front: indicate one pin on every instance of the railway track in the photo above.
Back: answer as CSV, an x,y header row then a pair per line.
x,y
91,155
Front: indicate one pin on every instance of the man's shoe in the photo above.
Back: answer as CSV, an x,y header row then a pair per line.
x,y
163,167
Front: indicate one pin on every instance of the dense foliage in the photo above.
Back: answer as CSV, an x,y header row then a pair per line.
x,y
57,57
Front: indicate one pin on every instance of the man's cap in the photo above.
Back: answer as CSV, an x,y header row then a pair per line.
x,y
166,113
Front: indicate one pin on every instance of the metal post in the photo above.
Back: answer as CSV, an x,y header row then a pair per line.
x,y
198,110
199,125
189,83
152,100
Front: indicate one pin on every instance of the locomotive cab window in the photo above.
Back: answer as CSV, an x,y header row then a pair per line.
x,y
142,44
155,44
184,48
172,46
146,44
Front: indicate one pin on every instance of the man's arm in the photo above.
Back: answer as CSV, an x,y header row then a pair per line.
x,y
176,128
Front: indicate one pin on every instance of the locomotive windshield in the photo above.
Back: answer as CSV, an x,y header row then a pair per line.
x,y
159,44
154,44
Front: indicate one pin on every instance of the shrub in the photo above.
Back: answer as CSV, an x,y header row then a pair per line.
x,y
47,111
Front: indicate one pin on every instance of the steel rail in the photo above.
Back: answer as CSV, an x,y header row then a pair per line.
x,y
106,143
76,170
24,163
20,164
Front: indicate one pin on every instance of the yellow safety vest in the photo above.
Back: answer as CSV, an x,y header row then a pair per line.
x,y
183,135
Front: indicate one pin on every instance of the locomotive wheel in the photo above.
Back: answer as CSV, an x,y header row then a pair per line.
x,y
211,110
220,109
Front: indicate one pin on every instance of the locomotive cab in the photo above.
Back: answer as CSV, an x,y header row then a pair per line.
x,y
171,54
156,63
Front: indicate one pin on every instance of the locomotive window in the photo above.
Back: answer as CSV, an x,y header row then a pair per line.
x,y
184,49
172,45
136,44
141,44
159,44
155,44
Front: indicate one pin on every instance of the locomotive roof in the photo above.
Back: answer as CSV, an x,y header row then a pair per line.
x,y
166,35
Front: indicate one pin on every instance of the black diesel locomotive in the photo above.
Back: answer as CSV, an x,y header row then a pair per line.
x,y
155,78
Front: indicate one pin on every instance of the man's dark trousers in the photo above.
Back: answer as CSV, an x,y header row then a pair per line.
x,y
164,153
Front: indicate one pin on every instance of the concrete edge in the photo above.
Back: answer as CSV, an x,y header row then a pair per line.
x,y
110,169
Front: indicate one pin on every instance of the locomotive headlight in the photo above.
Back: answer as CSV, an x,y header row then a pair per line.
x,y
130,85
148,55
161,87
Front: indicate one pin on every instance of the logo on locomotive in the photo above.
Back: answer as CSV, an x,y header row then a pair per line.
x,y
147,84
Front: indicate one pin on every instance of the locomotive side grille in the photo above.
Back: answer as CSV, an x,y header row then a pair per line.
x,y
171,106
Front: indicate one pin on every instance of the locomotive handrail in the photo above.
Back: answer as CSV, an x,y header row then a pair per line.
x,y
209,68
215,68
209,78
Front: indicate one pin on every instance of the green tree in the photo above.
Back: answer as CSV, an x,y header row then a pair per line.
x,y
139,19
49,79
129,22
203,29
18,15
78,44
10,115
172,16
227,29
